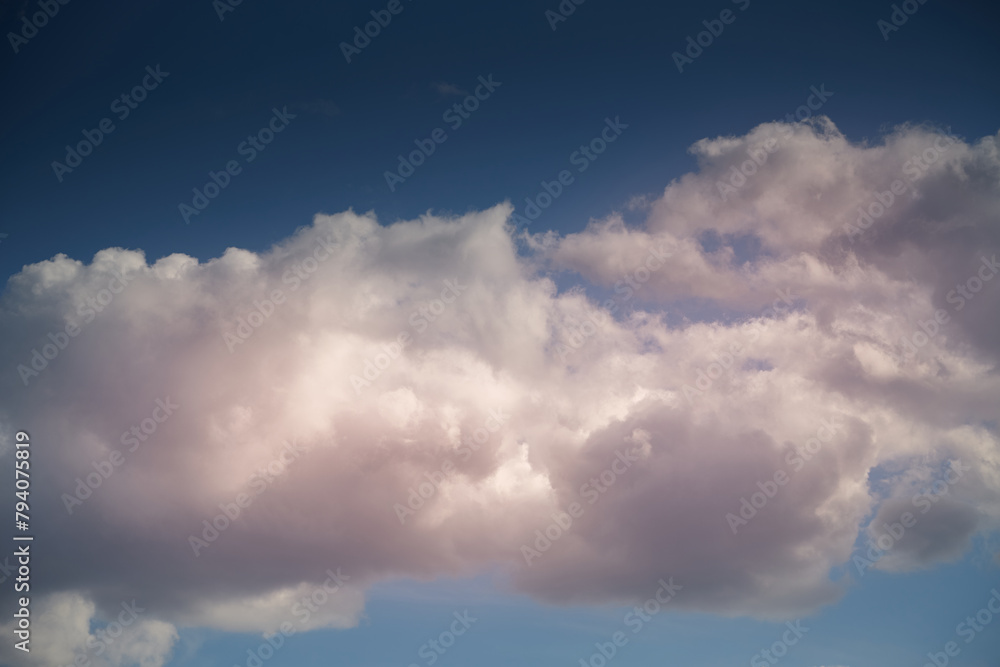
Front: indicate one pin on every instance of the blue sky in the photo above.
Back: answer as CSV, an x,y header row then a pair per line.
x,y
885,620
556,90
607,59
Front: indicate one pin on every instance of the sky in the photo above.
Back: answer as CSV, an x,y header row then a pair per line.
x,y
531,332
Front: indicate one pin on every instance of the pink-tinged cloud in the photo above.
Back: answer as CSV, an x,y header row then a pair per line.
x,y
742,331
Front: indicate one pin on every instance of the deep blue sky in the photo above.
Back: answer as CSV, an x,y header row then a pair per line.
x,y
608,59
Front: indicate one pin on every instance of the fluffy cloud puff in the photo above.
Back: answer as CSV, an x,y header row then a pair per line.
x,y
63,621
748,327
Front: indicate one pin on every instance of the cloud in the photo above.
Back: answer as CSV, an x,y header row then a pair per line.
x,y
431,364
943,534
61,634
447,89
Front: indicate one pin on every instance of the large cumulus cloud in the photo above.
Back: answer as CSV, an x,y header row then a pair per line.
x,y
738,325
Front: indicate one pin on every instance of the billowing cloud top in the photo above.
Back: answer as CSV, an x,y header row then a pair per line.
x,y
796,349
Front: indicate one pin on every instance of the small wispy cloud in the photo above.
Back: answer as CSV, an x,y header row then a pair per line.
x,y
447,89
638,203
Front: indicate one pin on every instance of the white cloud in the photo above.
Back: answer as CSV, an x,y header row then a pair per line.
x,y
61,636
575,384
